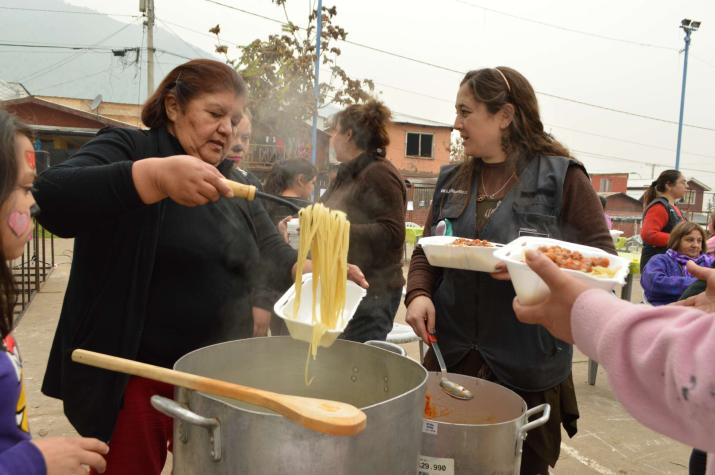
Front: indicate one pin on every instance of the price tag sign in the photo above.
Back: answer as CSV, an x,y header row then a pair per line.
x,y
435,466
429,427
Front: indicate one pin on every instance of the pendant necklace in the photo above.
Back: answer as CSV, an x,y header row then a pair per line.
x,y
490,196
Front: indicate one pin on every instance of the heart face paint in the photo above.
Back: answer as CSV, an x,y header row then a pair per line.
x,y
30,158
19,223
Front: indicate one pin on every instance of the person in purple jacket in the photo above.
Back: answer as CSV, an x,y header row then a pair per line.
x,y
665,277
660,360
19,455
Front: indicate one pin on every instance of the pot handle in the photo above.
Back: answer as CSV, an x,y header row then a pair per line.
x,y
545,408
173,409
386,345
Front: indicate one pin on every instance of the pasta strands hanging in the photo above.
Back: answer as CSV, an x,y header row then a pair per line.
x,y
325,234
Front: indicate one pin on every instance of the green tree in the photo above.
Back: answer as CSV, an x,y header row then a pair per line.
x,y
280,74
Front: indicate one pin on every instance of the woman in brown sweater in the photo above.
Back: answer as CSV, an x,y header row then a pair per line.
x,y
517,180
370,190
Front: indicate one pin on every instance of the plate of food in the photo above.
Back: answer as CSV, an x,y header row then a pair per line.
x,y
460,253
595,267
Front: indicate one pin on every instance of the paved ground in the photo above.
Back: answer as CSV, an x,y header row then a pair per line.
x,y
609,440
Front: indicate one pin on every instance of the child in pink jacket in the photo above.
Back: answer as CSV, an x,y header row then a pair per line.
x,y
660,360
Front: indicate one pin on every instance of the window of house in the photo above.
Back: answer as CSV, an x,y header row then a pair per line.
x,y
605,185
419,145
689,198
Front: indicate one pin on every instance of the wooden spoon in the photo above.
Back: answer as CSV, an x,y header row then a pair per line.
x,y
321,415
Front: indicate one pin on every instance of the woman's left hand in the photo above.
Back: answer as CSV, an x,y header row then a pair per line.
x,y
261,321
356,275
500,273
282,227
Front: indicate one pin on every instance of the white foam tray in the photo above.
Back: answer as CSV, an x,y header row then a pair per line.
x,y
300,327
441,253
529,287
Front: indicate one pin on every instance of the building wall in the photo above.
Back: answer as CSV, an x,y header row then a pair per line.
x,y
396,150
697,206
626,214
618,182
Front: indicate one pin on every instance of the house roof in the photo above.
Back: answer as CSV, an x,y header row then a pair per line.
x,y
129,114
62,108
627,196
12,90
699,183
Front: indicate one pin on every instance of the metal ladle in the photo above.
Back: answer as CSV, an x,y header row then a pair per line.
x,y
455,390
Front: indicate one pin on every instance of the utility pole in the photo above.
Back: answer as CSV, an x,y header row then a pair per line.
x,y
147,7
316,87
688,27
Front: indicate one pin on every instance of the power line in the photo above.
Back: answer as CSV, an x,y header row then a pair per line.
x,y
565,28
615,157
201,54
79,78
71,58
628,141
441,99
445,68
54,46
44,10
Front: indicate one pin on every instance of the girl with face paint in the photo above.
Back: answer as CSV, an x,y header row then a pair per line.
x,y
18,454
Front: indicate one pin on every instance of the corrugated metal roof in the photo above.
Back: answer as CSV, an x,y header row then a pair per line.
x,y
12,90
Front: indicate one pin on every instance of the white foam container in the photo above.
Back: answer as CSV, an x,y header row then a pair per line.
x,y
294,233
529,287
441,253
300,327
615,233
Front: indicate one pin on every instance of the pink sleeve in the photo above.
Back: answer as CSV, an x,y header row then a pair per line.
x,y
711,245
660,362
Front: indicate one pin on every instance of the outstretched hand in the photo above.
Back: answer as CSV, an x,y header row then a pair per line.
x,y
704,301
554,313
69,455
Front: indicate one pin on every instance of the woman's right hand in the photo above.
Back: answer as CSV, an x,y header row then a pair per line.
x,y
186,180
420,316
68,455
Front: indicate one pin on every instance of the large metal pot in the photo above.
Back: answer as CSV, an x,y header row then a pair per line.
x,y
217,436
481,436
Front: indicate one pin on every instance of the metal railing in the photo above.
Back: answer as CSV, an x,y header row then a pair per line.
x,y
33,268
264,156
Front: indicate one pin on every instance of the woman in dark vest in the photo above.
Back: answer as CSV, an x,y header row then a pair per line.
x,y
661,215
516,180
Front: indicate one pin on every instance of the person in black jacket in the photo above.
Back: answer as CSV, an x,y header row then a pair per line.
x,y
154,278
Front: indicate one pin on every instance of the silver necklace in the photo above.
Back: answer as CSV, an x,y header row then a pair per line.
x,y
490,196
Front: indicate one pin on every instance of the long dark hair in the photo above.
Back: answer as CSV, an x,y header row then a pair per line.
x,y
10,127
368,124
668,177
186,82
525,137
284,173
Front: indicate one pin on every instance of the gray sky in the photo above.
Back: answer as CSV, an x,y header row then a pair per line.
x,y
641,75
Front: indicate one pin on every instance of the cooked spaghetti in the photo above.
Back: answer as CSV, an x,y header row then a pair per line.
x,y
325,234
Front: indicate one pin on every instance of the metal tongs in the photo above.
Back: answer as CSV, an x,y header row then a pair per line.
x,y
450,387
